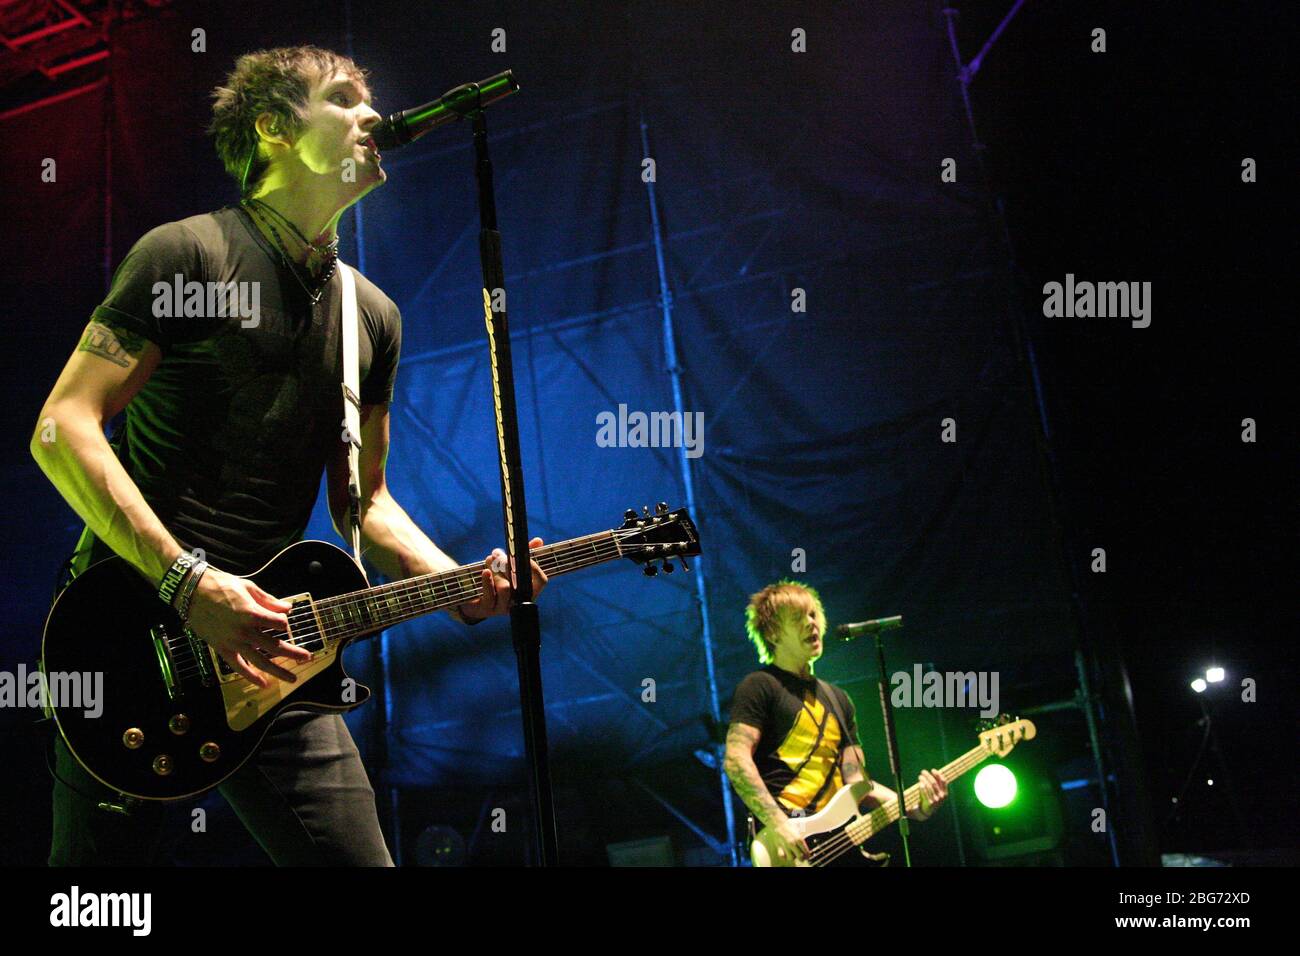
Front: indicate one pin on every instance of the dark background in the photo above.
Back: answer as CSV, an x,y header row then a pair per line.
x,y
776,171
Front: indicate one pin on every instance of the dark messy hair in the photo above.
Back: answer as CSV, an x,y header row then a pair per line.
x,y
278,82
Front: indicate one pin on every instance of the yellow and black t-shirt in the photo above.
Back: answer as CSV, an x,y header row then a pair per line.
x,y
800,738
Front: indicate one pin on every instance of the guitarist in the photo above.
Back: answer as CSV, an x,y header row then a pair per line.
x,y
793,739
231,419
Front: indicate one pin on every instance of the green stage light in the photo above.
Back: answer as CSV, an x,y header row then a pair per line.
x,y
995,786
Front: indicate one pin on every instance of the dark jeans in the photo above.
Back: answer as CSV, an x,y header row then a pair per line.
x,y
304,796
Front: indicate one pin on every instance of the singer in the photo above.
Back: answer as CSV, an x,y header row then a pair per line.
x,y
230,423
793,739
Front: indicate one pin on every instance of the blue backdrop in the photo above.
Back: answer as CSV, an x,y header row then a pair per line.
x,y
834,302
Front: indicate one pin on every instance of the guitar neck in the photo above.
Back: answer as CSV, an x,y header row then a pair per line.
x,y
365,613
882,817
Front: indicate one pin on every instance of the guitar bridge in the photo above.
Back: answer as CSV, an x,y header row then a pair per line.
x,y
203,656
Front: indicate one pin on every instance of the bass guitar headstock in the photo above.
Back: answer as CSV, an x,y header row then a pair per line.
x,y
1002,735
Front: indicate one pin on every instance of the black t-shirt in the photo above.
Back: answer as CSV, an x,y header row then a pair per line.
x,y
800,738
228,438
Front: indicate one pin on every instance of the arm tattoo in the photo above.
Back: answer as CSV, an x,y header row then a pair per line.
x,y
112,342
748,782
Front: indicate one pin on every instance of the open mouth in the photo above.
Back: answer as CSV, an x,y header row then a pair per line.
x,y
370,144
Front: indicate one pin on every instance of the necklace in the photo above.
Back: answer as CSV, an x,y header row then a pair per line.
x,y
329,255
314,249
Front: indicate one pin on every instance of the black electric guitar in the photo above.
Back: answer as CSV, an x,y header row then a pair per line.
x,y
841,826
175,719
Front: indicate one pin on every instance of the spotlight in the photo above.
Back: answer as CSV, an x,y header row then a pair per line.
x,y
1214,674
1199,685
995,786
1015,816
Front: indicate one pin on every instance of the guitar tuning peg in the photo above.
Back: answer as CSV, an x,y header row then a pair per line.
x,y
682,559
649,570
661,508
646,509
668,566
629,514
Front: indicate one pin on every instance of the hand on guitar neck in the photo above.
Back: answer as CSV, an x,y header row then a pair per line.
x,y
496,593
932,790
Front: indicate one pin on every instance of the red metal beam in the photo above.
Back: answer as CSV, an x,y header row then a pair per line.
x,y
51,100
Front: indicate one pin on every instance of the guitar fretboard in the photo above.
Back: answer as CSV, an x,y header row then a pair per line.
x,y
367,612
881,817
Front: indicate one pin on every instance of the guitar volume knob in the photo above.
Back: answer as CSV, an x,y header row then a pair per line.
x,y
162,765
133,738
210,752
179,724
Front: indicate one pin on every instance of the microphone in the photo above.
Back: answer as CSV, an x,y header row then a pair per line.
x,y
848,632
398,129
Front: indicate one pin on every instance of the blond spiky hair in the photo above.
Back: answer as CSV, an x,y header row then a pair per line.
x,y
763,615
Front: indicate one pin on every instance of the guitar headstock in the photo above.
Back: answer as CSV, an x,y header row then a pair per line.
x,y
1003,734
647,538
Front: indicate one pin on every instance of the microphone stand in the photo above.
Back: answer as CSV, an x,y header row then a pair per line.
x,y
891,739
525,625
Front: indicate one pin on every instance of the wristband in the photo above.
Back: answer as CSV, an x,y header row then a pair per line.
x,y
186,591
181,567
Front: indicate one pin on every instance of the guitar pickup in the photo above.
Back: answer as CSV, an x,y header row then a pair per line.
x,y
304,631
166,665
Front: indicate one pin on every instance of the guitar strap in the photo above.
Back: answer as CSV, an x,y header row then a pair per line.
x,y
351,407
